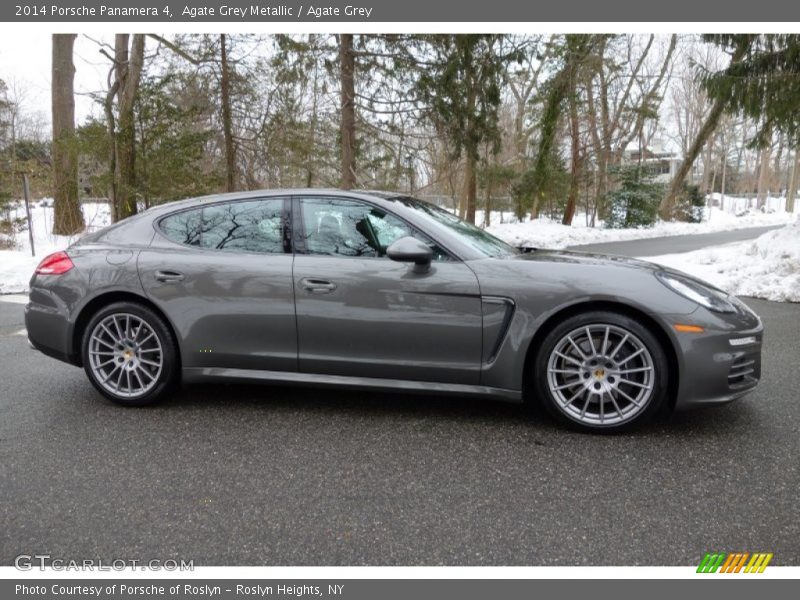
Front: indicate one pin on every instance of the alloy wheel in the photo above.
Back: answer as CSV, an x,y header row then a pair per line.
x,y
601,375
125,355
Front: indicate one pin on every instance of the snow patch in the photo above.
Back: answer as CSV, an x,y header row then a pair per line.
x,y
547,233
17,266
767,267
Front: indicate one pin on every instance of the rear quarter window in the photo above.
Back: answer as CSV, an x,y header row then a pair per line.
x,y
183,227
249,226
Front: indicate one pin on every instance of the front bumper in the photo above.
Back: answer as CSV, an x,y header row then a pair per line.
x,y
722,364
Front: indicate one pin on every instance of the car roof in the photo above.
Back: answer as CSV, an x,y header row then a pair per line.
x,y
243,195
389,200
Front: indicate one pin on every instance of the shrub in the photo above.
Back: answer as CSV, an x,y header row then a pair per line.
x,y
635,202
690,204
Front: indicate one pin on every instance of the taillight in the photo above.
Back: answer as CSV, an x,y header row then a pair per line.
x,y
57,263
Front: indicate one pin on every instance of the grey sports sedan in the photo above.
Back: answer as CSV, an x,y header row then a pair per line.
x,y
375,290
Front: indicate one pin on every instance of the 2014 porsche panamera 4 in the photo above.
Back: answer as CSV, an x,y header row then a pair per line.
x,y
376,290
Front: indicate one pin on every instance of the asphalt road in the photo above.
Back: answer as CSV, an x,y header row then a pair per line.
x,y
279,476
674,244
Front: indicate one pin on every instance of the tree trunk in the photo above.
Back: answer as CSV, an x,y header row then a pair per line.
x,y
723,172
471,162
68,218
794,182
470,187
578,49
227,126
487,208
111,127
777,172
667,206
708,168
143,162
129,71
575,162
347,60
763,177
312,143
670,200
549,122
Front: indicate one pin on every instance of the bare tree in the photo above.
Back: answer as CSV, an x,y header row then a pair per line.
x,y
128,64
68,218
523,83
347,64
623,94
709,125
227,126
576,160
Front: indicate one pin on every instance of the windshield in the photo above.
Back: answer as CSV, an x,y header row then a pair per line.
x,y
469,234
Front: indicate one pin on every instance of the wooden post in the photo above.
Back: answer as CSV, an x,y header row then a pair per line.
x,y
27,193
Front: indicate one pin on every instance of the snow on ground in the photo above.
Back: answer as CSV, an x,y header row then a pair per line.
x,y
17,266
547,233
767,267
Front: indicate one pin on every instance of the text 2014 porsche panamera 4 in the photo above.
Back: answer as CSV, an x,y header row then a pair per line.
x,y
373,290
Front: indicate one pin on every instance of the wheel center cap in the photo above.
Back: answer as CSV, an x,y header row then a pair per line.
x,y
128,354
599,373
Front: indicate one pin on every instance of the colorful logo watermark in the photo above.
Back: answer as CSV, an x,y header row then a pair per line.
x,y
734,562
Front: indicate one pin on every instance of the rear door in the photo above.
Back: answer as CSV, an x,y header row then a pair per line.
x,y
361,314
223,274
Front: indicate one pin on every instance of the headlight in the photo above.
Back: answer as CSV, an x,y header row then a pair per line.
x,y
697,292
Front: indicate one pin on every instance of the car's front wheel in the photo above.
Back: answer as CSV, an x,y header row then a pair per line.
x,y
601,371
129,354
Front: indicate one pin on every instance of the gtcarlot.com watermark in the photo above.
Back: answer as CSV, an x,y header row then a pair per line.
x,y
29,562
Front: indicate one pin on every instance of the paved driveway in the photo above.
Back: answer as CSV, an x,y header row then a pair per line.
x,y
278,476
675,243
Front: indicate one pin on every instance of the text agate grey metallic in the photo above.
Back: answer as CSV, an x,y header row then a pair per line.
x,y
384,11
420,301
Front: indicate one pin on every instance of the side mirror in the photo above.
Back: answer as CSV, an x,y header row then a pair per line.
x,y
409,249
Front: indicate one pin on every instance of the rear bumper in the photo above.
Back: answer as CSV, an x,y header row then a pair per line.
x,y
48,325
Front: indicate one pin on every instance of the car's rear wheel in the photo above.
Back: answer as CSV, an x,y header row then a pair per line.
x,y
129,354
601,371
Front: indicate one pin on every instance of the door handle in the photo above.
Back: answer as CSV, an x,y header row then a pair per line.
x,y
168,276
317,286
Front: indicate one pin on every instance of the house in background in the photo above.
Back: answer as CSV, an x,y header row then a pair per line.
x,y
659,162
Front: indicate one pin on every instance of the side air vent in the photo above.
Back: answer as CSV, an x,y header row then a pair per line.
x,y
743,372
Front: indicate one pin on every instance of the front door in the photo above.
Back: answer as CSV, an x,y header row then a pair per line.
x,y
361,314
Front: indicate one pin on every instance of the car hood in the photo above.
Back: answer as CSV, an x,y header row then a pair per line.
x,y
584,258
590,259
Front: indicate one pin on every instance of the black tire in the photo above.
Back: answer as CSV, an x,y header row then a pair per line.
x,y
660,372
167,375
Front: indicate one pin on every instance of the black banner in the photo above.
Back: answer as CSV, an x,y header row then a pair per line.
x,y
496,11
419,589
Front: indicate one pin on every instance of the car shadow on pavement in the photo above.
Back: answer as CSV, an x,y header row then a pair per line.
x,y
731,419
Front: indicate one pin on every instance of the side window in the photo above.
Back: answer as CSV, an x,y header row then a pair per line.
x,y
352,228
252,226
183,227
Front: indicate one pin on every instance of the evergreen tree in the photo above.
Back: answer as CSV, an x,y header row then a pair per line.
x,y
635,202
170,148
761,82
5,166
6,225
764,85
561,89
459,86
